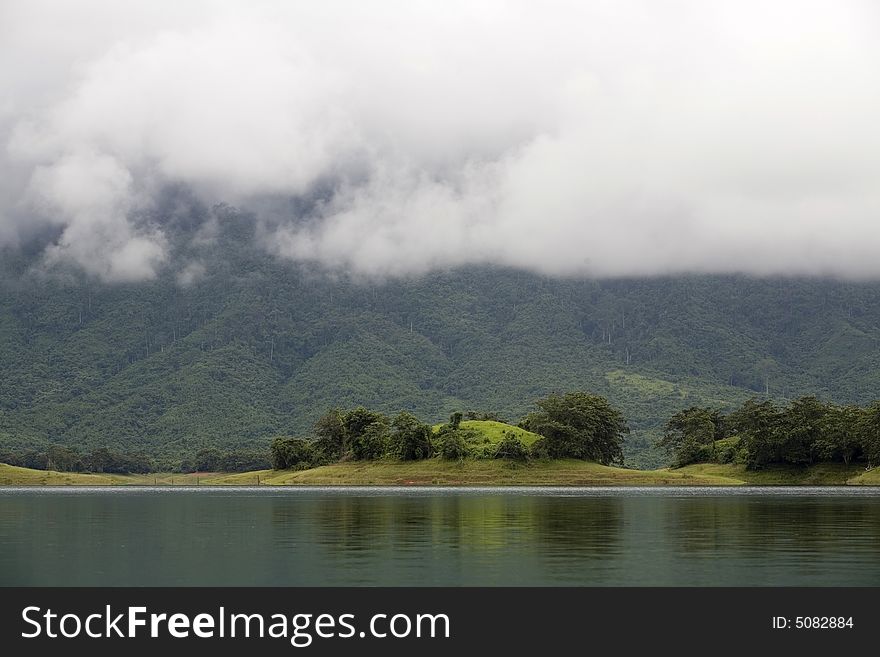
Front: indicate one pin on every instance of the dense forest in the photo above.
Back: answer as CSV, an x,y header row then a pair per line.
x,y
246,347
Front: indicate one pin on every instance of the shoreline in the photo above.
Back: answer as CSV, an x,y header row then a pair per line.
x,y
415,491
469,473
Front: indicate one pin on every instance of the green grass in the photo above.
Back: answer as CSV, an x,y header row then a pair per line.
x,y
643,385
821,474
494,432
470,472
11,475
865,477
473,472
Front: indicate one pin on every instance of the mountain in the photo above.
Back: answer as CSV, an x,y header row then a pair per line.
x,y
256,346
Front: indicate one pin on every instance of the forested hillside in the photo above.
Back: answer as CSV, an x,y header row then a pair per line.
x,y
244,346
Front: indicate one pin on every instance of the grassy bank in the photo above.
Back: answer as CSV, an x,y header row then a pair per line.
x,y
429,472
468,473
11,475
476,473
821,474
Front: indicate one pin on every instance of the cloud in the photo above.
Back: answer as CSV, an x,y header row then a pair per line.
x,y
589,138
191,274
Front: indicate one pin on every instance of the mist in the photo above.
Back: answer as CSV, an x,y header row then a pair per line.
x,y
571,138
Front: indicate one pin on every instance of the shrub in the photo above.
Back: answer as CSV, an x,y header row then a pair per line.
x,y
451,446
511,449
539,449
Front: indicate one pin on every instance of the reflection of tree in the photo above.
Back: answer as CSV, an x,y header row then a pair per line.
x,y
756,526
588,527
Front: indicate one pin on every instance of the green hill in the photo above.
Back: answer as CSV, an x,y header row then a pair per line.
x,y
493,432
260,347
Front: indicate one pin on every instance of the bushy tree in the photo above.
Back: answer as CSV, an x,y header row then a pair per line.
x,y
410,438
841,434
689,433
451,446
61,457
371,442
758,423
579,425
802,425
330,435
291,453
870,434
511,448
207,460
365,433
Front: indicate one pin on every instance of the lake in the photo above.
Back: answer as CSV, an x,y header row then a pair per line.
x,y
440,536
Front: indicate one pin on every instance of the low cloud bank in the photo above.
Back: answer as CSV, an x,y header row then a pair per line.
x,y
590,138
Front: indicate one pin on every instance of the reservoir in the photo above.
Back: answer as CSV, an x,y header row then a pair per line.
x,y
440,536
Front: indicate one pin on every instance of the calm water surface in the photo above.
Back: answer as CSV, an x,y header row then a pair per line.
x,y
533,536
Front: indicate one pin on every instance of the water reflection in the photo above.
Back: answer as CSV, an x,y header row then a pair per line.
x,y
437,539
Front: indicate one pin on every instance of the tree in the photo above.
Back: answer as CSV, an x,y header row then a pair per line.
x,y
870,434
579,425
410,439
371,443
802,425
330,436
689,432
59,457
207,460
291,453
759,424
841,438
366,433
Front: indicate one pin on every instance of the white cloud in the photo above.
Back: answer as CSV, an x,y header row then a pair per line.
x,y
190,274
601,138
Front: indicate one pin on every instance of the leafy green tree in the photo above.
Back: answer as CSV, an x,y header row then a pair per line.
x,y
870,434
410,438
802,425
207,460
371,443
291,453
841,438
759,424
579,425
689,432
330,432
365,433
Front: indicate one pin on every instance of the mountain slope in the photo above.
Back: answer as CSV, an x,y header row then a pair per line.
x,y
260,347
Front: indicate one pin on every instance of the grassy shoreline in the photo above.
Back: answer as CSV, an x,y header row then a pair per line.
x,y
435,472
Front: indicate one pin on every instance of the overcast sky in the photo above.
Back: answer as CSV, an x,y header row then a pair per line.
x,y
604,138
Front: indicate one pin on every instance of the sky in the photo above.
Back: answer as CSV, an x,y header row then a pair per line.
x,y
592,138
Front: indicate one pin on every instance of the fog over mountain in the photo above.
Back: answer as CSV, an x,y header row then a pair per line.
x,y
395,138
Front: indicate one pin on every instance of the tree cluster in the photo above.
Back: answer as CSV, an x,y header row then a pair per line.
x,y
761,433
69,459
575,425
